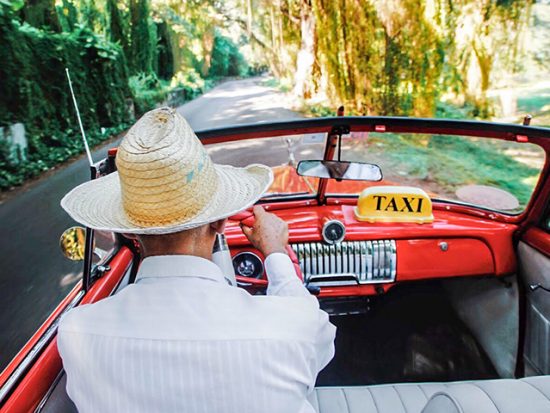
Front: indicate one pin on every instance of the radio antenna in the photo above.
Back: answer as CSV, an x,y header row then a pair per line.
x,y
88,153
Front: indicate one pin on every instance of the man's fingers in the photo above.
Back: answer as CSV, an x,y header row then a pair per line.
x,y
258,210
246,230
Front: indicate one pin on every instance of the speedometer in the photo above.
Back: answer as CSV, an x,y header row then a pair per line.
x,y
333,231
248,264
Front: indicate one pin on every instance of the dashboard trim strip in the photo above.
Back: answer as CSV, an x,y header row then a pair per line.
x,y
368,262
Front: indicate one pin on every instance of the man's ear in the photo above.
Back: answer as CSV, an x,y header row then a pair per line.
x,y
131,236
218,226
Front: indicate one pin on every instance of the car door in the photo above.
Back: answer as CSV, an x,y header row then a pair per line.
x,y
534,266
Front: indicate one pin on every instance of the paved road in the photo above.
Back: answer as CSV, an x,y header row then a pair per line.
x,y
34,276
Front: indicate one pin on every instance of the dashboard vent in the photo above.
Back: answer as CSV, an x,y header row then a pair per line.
x,y
348,262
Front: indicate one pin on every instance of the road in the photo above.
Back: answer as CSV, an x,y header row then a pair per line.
x,y
34,275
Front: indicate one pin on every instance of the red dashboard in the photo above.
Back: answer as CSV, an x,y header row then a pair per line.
x,y
454,245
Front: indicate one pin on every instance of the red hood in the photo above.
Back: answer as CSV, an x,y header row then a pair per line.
x,y
285,179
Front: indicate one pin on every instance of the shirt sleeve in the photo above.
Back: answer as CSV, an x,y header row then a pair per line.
x,y
282,277
283,281
324,342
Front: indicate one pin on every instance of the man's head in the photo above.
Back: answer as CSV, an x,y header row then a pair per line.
x,y
166,183
197,241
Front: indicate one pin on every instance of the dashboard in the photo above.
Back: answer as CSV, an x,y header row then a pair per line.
x,y
342,257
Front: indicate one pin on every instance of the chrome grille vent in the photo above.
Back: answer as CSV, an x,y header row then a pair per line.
x,y
348,262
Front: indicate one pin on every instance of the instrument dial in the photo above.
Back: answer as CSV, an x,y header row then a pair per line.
x,y
248,264
333,232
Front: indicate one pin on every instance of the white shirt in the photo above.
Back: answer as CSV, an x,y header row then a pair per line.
x,y
182,340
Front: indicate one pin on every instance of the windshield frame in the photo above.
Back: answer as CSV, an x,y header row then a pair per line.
x,y
334,126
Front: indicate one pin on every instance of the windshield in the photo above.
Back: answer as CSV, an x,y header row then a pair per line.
x,y
490,173
281,153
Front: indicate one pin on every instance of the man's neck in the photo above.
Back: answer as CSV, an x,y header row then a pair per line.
x,y
178,251
200,248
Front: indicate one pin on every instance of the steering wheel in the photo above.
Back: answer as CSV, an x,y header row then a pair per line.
x,y
247,218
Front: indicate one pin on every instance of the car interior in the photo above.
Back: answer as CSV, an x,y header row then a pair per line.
x,y
451,315
450,342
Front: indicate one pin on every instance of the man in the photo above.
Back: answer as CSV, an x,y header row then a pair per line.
x,y
181,339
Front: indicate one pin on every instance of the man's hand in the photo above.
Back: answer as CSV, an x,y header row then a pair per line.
x,y
269,233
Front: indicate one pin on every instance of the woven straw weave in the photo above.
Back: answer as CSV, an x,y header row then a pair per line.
x,y
166,182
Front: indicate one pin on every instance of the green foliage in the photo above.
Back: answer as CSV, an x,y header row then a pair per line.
x,y
118,27
190,84
147,90
448,111
165,61
45,158
41,13
453,161
226,59
34,91
392,57
67,15
383,63
143,36
135,53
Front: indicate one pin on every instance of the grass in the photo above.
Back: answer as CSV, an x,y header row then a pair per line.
x,y
441,163
281,85
445,163
534,104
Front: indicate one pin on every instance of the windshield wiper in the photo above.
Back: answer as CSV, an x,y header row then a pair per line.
x,y
277,194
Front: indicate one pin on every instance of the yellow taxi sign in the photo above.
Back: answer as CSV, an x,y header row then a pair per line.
x,y
394,204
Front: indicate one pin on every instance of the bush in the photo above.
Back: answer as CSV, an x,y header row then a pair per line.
x,y
190,82
147,90
227,60
34,91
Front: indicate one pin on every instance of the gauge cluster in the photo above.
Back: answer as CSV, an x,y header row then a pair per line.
x,y
248,264
333,232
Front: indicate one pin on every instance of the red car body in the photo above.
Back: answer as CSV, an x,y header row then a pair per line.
x,y
481,242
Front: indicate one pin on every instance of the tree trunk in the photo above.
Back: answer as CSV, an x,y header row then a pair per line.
x,y
40,13
207,46
306,55
249,16
484,59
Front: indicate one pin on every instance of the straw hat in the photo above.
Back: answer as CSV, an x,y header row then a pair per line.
x,y
166,182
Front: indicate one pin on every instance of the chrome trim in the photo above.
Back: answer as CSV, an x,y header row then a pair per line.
x,y
262,269
368,262
393,266
375,260
333,280
21,369
339,223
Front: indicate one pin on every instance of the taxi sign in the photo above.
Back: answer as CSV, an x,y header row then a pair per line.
x,y
394,204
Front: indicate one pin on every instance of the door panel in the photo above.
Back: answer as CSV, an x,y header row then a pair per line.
x,y
534,264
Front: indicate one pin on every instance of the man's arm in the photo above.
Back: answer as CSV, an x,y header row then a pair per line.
x,y
282,276
270,236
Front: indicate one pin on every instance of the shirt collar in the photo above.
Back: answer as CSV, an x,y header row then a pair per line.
x,y
168,266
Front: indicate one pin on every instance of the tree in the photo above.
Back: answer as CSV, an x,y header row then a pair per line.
x,y
42,13
117,25
306,55
143,37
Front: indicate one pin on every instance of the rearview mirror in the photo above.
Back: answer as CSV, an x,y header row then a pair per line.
x,y
355,171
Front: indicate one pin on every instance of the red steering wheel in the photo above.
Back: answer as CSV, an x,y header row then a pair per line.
x,y
247,218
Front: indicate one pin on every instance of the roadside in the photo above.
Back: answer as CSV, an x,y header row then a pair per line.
x,y
190,110
35,276
15,191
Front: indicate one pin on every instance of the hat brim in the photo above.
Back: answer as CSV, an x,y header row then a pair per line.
x,y
97,204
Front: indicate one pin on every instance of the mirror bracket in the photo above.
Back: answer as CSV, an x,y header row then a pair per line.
x,y
340,130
